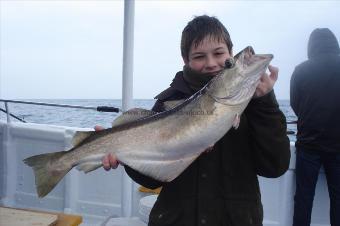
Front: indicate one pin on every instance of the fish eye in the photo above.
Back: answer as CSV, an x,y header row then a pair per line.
x,y
229,63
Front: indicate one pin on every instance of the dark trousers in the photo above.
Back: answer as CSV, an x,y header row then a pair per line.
x,y
307,169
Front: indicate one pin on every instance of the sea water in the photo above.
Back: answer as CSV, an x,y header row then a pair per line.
x,y
85,118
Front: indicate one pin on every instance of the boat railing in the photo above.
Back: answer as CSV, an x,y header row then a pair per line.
x,y
98,108
92,195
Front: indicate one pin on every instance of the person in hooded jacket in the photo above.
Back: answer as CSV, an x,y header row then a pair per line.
x,y
315,98
221,187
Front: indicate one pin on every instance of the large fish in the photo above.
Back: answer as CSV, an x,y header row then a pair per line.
x,y
161,145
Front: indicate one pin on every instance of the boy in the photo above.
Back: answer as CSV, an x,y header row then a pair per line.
x,y
221,186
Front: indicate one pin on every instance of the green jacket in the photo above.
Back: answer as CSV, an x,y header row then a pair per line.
x,y
221,188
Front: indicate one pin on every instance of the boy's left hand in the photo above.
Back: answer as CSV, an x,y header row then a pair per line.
x,y
266,82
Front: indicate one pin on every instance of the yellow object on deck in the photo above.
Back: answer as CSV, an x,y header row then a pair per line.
x,y
23,217
147,190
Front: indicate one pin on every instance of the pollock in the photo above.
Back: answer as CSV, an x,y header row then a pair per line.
x,y
161,145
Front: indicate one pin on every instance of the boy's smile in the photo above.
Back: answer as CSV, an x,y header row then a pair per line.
x,y
209,56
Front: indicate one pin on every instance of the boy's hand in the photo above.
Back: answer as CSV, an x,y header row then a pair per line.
x,y
109,161
267,82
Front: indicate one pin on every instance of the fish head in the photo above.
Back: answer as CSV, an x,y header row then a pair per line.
x,y
237,82
250,64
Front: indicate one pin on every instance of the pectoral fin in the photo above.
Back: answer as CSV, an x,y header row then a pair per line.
x,y
236,122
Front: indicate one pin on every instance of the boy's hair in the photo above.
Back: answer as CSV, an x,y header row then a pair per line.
x,y
201,27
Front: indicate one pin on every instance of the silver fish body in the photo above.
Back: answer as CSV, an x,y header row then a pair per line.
x,y
161,145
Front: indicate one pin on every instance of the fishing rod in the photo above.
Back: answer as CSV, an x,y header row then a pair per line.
x,y
14,116
99,108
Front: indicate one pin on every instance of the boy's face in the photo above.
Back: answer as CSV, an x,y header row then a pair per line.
x,y
208,57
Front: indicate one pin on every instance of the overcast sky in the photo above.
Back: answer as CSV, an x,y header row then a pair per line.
x,y
73,49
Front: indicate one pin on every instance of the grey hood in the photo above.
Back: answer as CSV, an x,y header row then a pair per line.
x,y
322,41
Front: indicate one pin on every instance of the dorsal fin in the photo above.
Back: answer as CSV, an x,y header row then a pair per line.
x,y
79,136
132,115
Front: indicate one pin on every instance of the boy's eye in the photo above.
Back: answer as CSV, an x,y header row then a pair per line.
x,y
219,53
198,57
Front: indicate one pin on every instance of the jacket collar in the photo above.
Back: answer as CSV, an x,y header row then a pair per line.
x,y
180,84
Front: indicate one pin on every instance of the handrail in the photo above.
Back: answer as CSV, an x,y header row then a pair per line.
x,y
99,108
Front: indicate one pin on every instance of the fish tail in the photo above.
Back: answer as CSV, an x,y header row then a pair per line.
x,y
47,176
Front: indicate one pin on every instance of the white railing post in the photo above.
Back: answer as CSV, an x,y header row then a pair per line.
x,y
7,113
127,100
10,170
